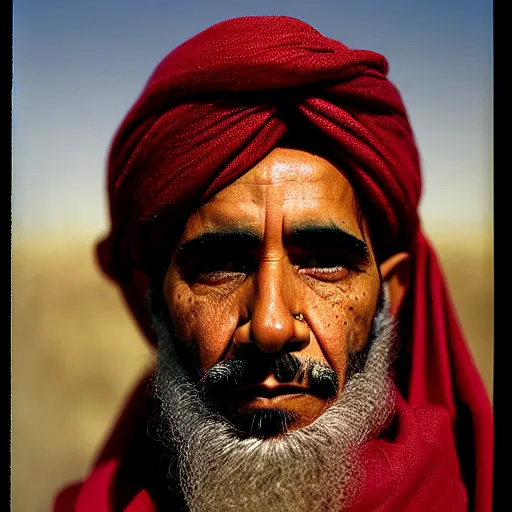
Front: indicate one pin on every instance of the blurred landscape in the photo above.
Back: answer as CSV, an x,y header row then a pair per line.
x,y
76,353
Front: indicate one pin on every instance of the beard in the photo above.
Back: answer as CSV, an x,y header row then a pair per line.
x,y
216,465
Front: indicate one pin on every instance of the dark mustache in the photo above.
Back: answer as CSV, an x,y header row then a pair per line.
x,y
287,368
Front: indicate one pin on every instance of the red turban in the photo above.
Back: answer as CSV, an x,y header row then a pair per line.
x,y
218,104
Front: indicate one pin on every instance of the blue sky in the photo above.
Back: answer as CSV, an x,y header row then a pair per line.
x,y
78,67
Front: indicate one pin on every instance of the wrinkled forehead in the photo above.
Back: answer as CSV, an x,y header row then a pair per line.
x,y
288,188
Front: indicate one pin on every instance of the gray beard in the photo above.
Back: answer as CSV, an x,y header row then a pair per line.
x,y
313,468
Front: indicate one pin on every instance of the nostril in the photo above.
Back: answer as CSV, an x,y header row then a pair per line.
x,y
268,345
297,345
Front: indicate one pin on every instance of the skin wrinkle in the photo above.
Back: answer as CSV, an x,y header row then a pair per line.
x,y
201,307
272,260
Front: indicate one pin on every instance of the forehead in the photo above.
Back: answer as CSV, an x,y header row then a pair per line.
x,y
289,187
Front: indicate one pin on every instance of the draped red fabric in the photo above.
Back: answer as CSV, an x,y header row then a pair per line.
x,y
212,109
415,469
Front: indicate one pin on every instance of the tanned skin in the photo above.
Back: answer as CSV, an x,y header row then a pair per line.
x,y
287,238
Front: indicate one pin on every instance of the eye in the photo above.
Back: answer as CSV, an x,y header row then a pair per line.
x,y
220,264
327,266
219,268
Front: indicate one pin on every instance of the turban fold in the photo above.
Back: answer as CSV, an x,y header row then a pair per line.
x,y
218,104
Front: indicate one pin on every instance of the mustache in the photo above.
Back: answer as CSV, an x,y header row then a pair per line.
x,y
245,370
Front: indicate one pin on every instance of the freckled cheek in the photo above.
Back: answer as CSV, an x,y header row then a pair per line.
x,y
342,324
359,322
207,322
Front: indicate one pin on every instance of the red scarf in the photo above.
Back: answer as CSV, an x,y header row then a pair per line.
x,y
212,109
413,468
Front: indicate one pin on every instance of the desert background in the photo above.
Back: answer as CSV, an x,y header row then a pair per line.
x,y
77,68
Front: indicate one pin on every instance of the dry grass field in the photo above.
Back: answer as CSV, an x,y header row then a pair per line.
x,y
76,353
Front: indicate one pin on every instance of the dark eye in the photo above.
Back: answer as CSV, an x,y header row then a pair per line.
x,y
215,269
323,261
330,266
220,264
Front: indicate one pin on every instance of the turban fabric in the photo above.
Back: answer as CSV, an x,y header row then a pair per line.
x,y
213,108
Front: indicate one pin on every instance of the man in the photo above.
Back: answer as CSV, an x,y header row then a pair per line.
x,y
264,195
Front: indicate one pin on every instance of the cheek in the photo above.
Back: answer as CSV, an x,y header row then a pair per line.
x,y
205,321
341,318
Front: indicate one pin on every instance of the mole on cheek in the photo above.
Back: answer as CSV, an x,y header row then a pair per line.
x,y
182,304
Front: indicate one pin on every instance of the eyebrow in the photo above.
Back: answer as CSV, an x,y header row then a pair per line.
x,y
218,239
327,237
307,236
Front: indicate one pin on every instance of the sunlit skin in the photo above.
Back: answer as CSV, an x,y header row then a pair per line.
x,y
271,248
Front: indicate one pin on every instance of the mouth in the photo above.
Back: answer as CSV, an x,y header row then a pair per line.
x,y
267,410
248,393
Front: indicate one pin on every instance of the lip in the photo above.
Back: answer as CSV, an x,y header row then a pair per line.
x,y
253,392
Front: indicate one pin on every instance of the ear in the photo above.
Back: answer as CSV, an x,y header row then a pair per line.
x,y
396,272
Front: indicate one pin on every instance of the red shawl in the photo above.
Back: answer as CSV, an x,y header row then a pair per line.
x,y
214,107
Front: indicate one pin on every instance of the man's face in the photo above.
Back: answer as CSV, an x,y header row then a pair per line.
x,y
278,262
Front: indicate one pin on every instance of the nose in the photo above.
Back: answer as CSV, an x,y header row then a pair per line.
x,y
272,324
